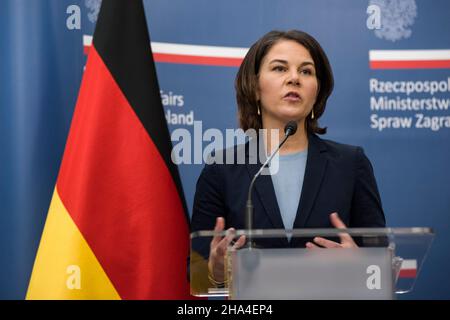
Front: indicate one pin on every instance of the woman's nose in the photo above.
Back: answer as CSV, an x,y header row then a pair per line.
x,y
293,78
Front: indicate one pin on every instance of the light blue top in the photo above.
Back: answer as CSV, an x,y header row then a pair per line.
x,y
288,183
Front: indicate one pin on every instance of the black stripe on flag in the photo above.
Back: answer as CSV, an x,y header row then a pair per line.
x,y
125,50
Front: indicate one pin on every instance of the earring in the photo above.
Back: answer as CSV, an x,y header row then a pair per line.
x,y
259,112
312,114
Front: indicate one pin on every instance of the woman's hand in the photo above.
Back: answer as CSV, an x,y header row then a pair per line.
x,y
218,249
346,239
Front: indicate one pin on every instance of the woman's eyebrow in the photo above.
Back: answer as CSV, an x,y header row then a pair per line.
x,y
285,62
278,61
307,63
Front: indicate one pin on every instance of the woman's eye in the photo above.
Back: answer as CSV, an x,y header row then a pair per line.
x,y
307,71
278,68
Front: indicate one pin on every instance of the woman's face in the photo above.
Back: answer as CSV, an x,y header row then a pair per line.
x,y
287,81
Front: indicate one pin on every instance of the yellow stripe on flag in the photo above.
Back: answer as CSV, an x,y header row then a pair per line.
x,y
65,266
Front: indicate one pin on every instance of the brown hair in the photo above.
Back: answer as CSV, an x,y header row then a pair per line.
x,y
246,83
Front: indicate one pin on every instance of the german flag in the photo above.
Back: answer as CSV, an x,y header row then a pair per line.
x,y
117,226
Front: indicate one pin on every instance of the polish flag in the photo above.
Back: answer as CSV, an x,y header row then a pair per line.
x,y
409,59
408,269
190,54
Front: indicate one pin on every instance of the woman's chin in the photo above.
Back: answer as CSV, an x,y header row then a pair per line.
x,y
286,114
290,116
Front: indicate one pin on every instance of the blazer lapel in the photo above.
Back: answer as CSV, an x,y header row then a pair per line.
x,y
263,188
316,164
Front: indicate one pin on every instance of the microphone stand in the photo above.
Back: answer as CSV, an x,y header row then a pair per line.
x,y
290,129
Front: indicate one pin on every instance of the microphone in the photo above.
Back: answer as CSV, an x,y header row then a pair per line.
x,y
289,130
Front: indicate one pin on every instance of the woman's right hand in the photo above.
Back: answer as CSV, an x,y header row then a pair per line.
x,y
218,249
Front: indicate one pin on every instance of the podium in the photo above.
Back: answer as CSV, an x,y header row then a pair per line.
x,y
385,262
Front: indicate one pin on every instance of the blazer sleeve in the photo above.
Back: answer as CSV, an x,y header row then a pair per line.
x,y
366,209
208,200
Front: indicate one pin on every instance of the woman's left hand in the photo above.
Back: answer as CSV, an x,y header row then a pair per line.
x,y
346,239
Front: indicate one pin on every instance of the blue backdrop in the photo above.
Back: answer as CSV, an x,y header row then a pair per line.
x,y
41,66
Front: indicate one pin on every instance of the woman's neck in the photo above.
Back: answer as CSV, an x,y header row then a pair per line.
x,y
295,143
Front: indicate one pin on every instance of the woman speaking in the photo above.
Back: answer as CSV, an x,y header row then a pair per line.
x,y
286,76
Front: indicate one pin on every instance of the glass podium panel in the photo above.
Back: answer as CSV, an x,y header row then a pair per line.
x,y
276,264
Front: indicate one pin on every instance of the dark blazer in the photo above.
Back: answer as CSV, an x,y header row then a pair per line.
x,y
338,178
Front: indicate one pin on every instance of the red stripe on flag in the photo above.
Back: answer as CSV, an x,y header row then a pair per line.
x,y
120,194
408,273
198,60
419,64
187,59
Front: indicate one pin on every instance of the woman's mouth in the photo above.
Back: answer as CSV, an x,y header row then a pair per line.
x,y
292,96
